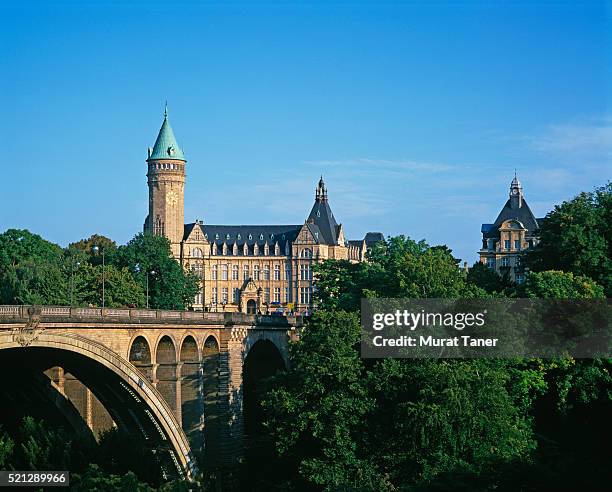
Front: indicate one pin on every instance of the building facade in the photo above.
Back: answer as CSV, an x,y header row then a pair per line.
x,y
245,268
514,231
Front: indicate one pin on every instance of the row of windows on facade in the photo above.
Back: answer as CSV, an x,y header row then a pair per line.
x,y
305,295
221,272
165,165
505,262
197,236
246,251
492,243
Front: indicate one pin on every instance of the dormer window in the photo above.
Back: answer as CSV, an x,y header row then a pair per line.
x,y
250,237
227,236
239,237
272,237
316,235
261,237
217,237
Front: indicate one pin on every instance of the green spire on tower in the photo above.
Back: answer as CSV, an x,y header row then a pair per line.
x,y
166,146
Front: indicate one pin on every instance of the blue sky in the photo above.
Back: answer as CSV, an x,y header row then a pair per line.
x,y
416,113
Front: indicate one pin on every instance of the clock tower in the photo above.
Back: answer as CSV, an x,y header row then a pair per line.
x,y
166,180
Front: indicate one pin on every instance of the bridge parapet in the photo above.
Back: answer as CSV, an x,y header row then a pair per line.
x,y
20,313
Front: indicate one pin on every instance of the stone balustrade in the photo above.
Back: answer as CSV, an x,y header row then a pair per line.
x,y
144,316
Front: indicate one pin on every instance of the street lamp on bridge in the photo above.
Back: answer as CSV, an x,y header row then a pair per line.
x,y
95,250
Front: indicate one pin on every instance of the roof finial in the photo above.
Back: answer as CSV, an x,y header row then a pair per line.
x,y
166,110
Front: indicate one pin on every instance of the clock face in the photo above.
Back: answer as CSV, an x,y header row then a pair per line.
x,y
172,198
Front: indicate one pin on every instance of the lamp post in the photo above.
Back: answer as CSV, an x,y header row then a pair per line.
x,y
152,272
74,266
97,249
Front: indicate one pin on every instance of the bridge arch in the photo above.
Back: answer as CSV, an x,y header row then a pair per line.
x,y
165,338
132,401
262,360
186,347
141,355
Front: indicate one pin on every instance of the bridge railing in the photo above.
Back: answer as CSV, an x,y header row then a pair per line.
x,y
140,315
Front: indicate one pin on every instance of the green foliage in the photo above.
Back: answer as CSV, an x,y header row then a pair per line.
x,y
399,267
170,287
7,445
576,237
559,285
96,480
120,287
486,278
31,270
35,271
86,248
345,424
316,408
342,423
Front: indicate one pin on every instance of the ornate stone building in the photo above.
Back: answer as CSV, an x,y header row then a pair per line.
x,y
246,268
514,231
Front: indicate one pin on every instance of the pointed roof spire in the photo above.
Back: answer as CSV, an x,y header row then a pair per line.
x,y
166,146
515,182
321,193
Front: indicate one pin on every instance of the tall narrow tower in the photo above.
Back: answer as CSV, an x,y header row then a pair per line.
x,y
166,179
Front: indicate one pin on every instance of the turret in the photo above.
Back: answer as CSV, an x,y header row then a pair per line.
x,y
516,193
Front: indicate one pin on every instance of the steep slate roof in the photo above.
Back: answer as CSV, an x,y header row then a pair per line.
x,y
239,234
322,216
166,146
523,214
373,237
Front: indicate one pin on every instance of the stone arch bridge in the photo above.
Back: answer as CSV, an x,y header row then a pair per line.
x,y
183,380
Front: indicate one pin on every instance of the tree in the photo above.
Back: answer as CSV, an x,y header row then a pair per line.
x,y
31,270
85,249
486,278
560,285
315,408
170,287
121,289
575,237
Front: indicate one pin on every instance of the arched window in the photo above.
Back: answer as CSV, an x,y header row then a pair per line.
x,y
306,253
196,253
